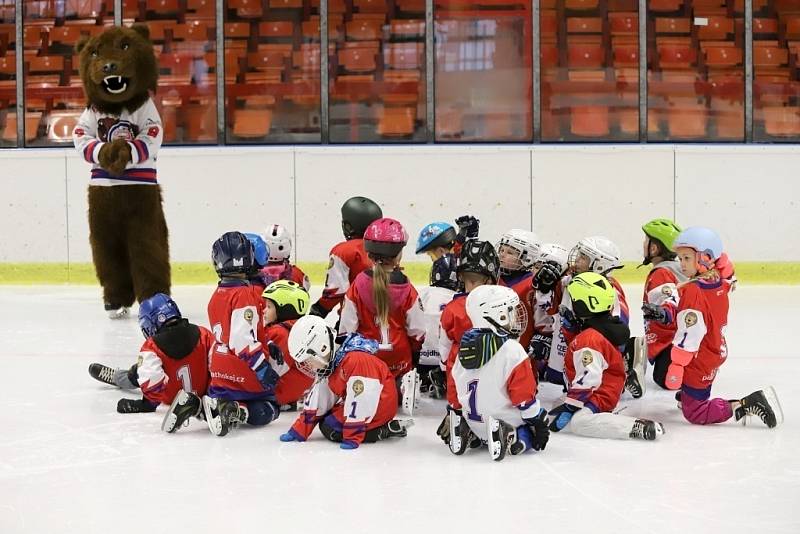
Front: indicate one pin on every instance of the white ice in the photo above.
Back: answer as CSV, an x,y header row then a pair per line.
x,y
70,463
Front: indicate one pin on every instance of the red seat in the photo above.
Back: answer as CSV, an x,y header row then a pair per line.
x,y
626,56
32,120
364,29
624,23
782,121
403,55
252,123
722,56
548,23
47,64
581,5
237,30
718,29
193,31
407,28
673,25
792,28
676,56
311,31
765,26
589,121
8,64
200,120
769,56
370,6
177,64
246,8
397,121
358,59
584,25
205,9
67,35
287,4
549,55
412,6
276,29
162,7
586,56
664,5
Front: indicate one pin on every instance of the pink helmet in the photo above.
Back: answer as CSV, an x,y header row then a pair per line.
x,y
385,238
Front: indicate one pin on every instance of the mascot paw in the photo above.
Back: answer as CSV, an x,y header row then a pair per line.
x,y
115,156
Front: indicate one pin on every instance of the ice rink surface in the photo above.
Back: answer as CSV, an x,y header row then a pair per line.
x,y
70,463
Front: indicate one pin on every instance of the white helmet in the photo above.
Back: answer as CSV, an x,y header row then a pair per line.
x,y
556,253
279,242
527,246
497,308
603,254
311,346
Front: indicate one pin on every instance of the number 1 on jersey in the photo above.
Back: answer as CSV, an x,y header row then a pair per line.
x,y
186,379
472,411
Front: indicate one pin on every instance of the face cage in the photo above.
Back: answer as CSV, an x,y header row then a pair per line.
x,y
516,321
518,266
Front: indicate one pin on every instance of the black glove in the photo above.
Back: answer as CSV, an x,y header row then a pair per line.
x,y
275,352
547,276
540,346
444,427
468,227
654,312
135,406
561,415
318,310
569,322
538,427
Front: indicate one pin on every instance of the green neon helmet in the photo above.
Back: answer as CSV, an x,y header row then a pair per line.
x,y
290,299
663,230
591,293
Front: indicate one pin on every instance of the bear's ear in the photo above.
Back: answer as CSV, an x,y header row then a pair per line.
x,y
82,42
142,30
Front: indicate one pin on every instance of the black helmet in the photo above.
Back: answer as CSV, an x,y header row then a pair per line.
x,y
443,273
479,257
232,254
357,214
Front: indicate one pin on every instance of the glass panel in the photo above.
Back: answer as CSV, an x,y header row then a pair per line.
x,y
484,70
776,79
377,71
590,70
53,93
8,75
183,36
696,70
272,71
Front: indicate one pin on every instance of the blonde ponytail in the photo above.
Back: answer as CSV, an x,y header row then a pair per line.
x,y
380,293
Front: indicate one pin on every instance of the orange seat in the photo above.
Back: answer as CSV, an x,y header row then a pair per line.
x,y
338,6
412,6
702,7
548,23
769,56
178,64
397,121
47,64
8,64
589,121
246,8
403,55
718,28
200,121
626,55
584,25
765,26
782,121
162,7
276,29
721,56
32,120
624,23
664,5
67,35
586,55
237,30
407,28
364,29
311,30
252,123
307,59
549,55
370,6
687,121
193,31
34,36
728,119
628,120
581,5
792,31
287,4
202,8
358,59
673,25
676,56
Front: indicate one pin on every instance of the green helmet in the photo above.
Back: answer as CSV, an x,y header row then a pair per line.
x,y
290,299
357,214
663,230
591,293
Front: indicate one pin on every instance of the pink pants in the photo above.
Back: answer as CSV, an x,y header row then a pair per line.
x,y
705,412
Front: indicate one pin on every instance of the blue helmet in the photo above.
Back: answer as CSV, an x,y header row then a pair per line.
x,y
706,243
260,249
232,253
444,274
155,312
436,234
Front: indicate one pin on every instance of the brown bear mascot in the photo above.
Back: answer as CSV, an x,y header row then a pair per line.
x,y
120,133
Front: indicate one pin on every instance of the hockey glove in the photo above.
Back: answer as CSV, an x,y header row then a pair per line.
x,y
540,346
136,406
569,322
444,428
654,312
468,228
561,415
266,375
275,352
318,310
547,276
539,431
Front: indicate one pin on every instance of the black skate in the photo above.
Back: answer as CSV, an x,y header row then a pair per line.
x,y
223,415
116,312
396,428
635,358
461,435
112,377
646,430
185,406
763,404
501,436
437,388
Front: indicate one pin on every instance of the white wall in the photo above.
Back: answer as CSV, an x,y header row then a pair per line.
x,y
751,194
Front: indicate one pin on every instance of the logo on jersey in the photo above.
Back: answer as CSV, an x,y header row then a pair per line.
x,y
690,319
79,132
666,291
152,131
358,388
587,358
248,315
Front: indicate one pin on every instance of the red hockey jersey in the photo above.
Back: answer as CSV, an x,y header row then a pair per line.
x,y
347,260
175,358
293,383
406,329
595,371
361,395
285,271
454,322
661,289
522,286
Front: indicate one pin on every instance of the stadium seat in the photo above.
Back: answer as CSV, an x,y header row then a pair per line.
x,y
269,61
549,55
194,31
728,118
287,4
723,56
702,7
584,25
626,55
548,23
370,6
765,27
687,121
65,35
200,121
364,29
32,120
782,121
628,120
717,29
276,29
246,9
769,56
677,26
676,55
162,7
8,65
665,6
449,123
586,56
407,28
403,55
397,121
589,121
311,30
60,125
581,5
624,23
237,30
205,9
252,123
42,64
792,28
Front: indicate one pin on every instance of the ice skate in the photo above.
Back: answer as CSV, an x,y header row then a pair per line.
x,y
409,387
461,435
646,430
117,312
185,406
635,368
501,435
763,404
111,376
223,415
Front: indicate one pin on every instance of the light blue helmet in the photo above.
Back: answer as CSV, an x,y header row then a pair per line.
x,y
260,249
436,234
705,241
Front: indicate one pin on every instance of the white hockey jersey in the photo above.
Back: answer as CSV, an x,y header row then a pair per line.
x,y
143,131
433,300
503,388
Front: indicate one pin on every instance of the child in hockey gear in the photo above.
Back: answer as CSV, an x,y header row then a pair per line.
x,y
242,387
477,265
494,380
548,272
440,238
594,367
518,250
699,347
285,302
354,399
382,304
347,259
660,288
173,358
280,249
260,255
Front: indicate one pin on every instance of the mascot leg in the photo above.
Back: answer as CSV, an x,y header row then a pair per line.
x,y
148,245
108,226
